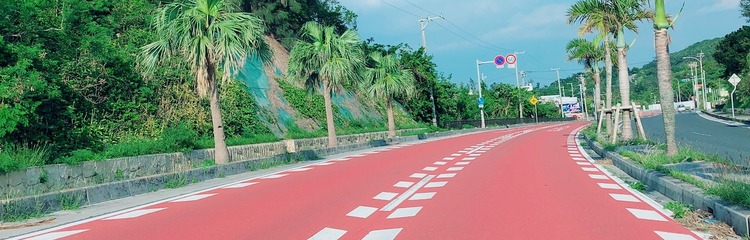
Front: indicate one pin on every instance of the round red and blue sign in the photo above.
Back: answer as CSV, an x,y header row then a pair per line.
x,y
499,60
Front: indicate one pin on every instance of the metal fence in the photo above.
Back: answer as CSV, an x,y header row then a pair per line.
x,y
503,122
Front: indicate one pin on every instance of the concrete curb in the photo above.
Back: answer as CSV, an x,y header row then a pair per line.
x,y
78,197
736,216
747,122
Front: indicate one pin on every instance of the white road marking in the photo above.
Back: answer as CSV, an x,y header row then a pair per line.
x,y
597,176
453,169
576,155
449,158
362,212
403,184
647,214
239,185
405,212
56,235
674,236
401,198
702,134
468,159
475,155
431,169
324,163
462,163
446,175
579,159
624,197
418,175
357,155
274,176
385,234
440,163
423,196
193,198
583,163
590,169
342,159
328,234
435,184
573,152
387,196
300,169
455,155
135,214
609,186
463,151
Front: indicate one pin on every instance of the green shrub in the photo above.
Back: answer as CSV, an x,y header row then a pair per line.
x,y
467,126
638,185
734,191
13,158
80,155
678,209
134,147
179,138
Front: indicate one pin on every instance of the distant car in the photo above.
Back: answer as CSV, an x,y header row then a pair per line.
x,y
681,108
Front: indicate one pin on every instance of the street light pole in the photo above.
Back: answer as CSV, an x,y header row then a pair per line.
x,y
572,93
518,86
583,94
423,24
479,86
559,89
703,82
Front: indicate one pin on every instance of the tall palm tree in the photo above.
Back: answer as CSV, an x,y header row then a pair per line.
x,y
388,79
627,12
589,54
323,57
664,74
597,16
212,38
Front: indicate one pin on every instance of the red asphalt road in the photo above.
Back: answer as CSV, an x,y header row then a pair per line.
x,y
525,186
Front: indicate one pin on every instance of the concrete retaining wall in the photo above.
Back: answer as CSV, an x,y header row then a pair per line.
x,y
734,215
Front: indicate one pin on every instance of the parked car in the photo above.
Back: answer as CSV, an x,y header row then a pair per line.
x,y
681,108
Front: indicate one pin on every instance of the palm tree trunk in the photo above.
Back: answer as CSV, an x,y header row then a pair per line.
x,y
664,74
221,153
329,115
624,79
597,91
608,70
391,121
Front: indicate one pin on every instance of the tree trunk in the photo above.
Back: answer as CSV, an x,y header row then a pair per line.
x,y
608,70
624,79
666,93
391,120
221,153
597,92
329,115
434,108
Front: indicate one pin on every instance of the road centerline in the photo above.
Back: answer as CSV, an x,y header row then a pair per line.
x,y
401,198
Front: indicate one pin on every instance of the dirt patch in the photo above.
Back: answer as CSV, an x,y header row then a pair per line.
x,y
7,226
702,221
605,161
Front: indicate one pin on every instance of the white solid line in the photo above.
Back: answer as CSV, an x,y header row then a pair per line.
x,y
624,197
647,214
446,175
401,198
462,163
674,236
328,234
423,196
342,159
387,196
135,214
440,163
324,163
300,169
403,184
468,159
583,164
597,176
240,185
590,169
56,235
431,169
455,155
194,197
609,186
453,169
418,175
385,234
274,176
449,158
405,212
362,212
435,184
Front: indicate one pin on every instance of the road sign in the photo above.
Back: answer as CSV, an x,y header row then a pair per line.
x,y
533,101
734,80
511,60
480,101
500,61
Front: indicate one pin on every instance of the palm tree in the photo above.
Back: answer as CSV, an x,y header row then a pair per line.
x,y
627,12
211,37
597,16
388,79
323,57
664,73
589,54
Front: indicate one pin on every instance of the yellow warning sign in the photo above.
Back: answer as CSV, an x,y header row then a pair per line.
x,y
533,101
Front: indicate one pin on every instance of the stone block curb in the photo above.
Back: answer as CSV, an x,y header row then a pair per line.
x,y
734,215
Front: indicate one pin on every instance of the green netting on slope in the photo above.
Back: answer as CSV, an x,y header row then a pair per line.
x,y
256,79
347,101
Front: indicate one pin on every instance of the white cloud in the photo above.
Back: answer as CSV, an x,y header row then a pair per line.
x,y
543,21
721,5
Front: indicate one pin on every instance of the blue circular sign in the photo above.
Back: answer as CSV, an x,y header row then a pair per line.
x,y
499,60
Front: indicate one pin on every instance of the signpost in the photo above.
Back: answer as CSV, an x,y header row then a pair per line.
x,y
499,61
511,60
480,101
734,80
534,101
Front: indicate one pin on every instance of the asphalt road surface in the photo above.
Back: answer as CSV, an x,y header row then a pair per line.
x,y
726,139
521,183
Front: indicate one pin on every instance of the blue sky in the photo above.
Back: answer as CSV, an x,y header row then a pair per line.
x,y
491,27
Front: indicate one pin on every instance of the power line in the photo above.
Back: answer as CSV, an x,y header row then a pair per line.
x,y
425,10
464,38
394,6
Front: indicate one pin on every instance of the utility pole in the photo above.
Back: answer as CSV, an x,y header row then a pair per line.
x,y
480,78
572,94
423,24
583,94
679,99
703,82
559,90
518,85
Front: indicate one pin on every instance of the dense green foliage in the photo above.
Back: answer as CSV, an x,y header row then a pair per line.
x,y
745,4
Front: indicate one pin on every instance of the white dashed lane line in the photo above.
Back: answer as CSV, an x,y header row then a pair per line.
x,y
418,175
423,196
624,197
598,176
401,198
590,169
440,163
403,184
328,234
362,212
609,186
435,184
446,175
56,235
135,214
385,234
462,163
387,196
430,169
404,212
239,185
674,236
647,214
193,198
